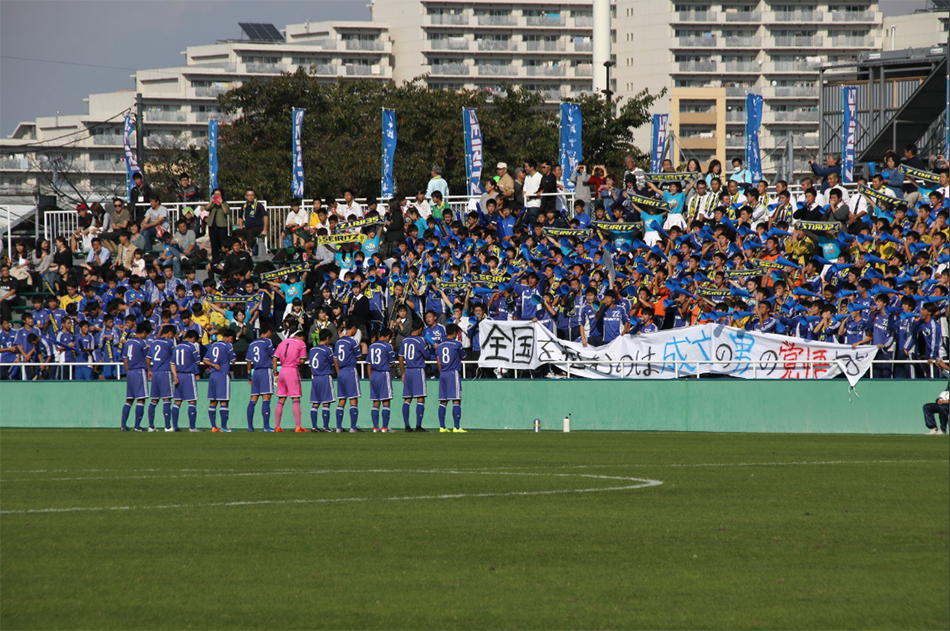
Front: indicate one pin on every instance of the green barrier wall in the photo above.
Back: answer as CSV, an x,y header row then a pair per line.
x,y
708,405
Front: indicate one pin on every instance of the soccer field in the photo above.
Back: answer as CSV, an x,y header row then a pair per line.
x,y
102,529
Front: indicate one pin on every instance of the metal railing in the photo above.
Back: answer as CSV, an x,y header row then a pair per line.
x,y
449,43
496,20
697,66
364,44
545,71
811,91
448,19
797,66
797,116
450,69
495,70
258,67
743,16
859,41
583,21
534,45
853,16
107,139
212,90
583,70
698,41
798,41
744,42
740,66
697,16
495,44
165,117
546,20
569,369
799,16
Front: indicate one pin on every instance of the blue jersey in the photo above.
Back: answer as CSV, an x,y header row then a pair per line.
x,y
66,341
380,356
614,320
320,361
450,354
261,353
187,358
882,330
414,352
135,351
434,334
7,341
589,322
161,354
40,317
85,344
347,351
222,354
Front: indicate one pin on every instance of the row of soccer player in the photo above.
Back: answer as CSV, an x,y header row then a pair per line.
x,y
171,370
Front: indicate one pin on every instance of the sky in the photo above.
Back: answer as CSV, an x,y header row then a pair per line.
x,y
97,44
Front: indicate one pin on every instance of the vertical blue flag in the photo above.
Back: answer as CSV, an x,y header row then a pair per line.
x,y
389,152
571,146
659,141
212,156
849,110
131,163
753,119
473,151
297,185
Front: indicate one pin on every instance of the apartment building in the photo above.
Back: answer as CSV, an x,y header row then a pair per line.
x,y
710,54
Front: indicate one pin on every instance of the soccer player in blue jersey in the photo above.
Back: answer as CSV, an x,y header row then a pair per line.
x,y
346,352
187,361
218,357
260,373
380,358
449,354
614,319
133,356
163,375
320,360
413,354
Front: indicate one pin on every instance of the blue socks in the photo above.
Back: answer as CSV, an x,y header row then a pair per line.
x,y
420,412
212,414
406,406
224,416
265,413
386,417
151,414
192,415
354,415
442,415
457,414
250,414
167,413
339,417
315,417
139,413
326,417
374,415
176,411
128,408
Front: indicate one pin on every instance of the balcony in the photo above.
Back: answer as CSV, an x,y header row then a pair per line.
x,y
107,139
204,117
795,117
697,16
584,21
544,46
364,44
799,16
735,117
495,45
806,140
258,67
852,16
108,166
583,47
449,69
796,91
734,141
323,44
164,117
798,41
323,70
852,41
697,42
740,90
546,20
449,43
486,70
796,66
353,70
584,70
740,66
212,90
497,20
545,71
21,164
549,95
743,42
743,16
697,66
447,19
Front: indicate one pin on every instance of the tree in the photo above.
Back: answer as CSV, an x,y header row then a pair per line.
x,y
608,138
170,156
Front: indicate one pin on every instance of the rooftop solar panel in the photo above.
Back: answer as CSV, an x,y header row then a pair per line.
x,y
261,32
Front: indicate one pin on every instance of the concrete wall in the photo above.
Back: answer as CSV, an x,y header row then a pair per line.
x,y
711,405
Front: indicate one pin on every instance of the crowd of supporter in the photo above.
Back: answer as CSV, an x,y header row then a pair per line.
x,y
627,253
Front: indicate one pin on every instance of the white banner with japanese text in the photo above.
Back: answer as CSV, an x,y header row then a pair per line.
x,y
707,349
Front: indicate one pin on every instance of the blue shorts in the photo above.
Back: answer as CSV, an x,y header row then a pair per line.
x,y
262,381
348,384
187,388
380,386
414,383
219,387
450,386
321,389
163,386
136,384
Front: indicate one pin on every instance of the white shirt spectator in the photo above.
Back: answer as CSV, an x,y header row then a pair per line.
x,y
425,210
353,209
154,214
532,184
299,218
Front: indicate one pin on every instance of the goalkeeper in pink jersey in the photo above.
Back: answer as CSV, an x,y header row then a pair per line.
x,y
289,355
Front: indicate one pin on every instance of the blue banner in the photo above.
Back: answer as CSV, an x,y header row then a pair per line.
x,y
753,119
389,153
849,110
131,163
571,145
297,184
212,156
659,141
473,151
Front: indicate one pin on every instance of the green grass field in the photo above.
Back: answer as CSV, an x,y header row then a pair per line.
x,y
101,529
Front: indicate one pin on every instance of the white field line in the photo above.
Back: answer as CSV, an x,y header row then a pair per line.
x,y
639,484
213,473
